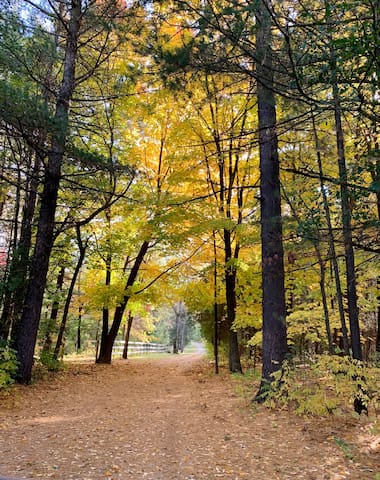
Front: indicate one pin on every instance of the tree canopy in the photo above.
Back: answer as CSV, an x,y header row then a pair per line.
x,y
218,160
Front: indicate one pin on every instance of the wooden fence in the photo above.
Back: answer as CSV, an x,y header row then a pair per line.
x,y
139,348
135,348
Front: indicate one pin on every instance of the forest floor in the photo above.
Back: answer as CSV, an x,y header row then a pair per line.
x,y
171,419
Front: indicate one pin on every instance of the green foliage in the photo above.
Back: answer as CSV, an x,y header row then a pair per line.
x,y
325,385
21,106
305,328
52,364
206,321
257,339
88,327
8,365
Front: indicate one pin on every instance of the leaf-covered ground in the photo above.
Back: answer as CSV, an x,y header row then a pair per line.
x,y
171,419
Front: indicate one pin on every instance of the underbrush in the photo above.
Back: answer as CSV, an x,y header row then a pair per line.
x,y
323,385
326,385
48,361
8,365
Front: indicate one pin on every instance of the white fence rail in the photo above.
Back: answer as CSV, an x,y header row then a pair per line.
x,y
139,348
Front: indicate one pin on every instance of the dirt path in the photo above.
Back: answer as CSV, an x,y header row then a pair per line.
x,y
166,419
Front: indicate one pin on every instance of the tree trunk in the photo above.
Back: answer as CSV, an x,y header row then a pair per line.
x,y
378,319
375,173
181,314
26,333
82,252
353,311
175,343
105,309
216,321
378,278
19,267
322,285
127,335
322,280
78,343
273,295
331,244
54,312
183,334
108,339
180,327
230,286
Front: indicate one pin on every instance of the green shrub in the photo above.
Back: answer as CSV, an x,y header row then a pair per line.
x,y
325,385
8,365
48,360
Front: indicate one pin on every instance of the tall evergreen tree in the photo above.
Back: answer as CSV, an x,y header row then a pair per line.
x,y
274,309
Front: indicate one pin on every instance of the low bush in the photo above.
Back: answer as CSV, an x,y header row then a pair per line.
x,y
48,360
8,365
326,385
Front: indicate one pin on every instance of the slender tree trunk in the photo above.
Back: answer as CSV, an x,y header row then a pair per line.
x,y
82,253
78,343
322,285
183,333
179,327
375,171
273,295
180,313
175,343
378,319
230,286
59,286
353,311
216,320
222,190
106,344
378,278
322,280
19,267
26,335
54,312
127,335
177,320
331,244
377,177
105,309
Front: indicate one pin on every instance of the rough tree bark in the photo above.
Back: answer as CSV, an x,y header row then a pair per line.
x,y
26,331
273,291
